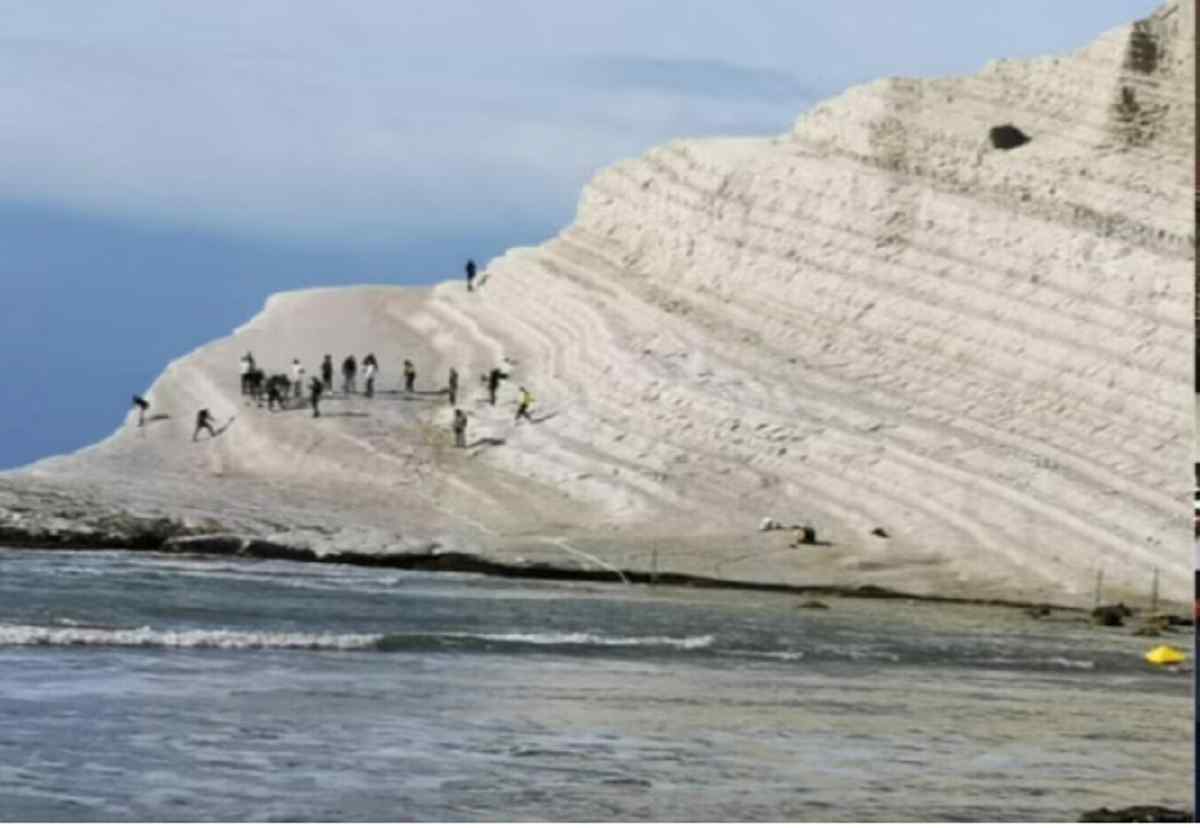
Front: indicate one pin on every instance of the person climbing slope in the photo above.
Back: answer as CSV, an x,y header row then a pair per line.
x,y
203,420
523,405
452,386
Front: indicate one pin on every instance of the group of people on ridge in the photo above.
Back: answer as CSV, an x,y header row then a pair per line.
x,y
280,388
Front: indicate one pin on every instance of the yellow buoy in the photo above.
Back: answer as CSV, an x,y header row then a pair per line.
x,y
1163,654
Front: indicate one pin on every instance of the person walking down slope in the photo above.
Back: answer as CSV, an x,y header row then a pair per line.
x,y
460,428
493,382
370,366
203,420
349,372
410,375
141,405
470,275
523,405
315,387
297,379
452,386
327,373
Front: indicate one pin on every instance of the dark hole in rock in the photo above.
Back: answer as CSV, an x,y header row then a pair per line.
x,y
1007,137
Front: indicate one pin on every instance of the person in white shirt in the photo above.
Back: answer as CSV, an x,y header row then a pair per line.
x,y
297,378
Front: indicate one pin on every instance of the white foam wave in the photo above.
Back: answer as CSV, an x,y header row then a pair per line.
x,y
694,642
777,655
1057,661
17,635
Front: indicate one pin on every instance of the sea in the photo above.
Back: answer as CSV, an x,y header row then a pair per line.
x,y
144,687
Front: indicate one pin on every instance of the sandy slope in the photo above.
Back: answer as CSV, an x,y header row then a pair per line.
x,y
877,320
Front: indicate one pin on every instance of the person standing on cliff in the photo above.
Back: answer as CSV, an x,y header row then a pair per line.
x,y
315,387
203,420
470,275
493,383
349,371
453,386
523,405
410,375
370,366
297,379
141,406
327,373
460,428
247,366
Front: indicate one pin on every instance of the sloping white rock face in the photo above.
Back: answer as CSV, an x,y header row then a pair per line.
x,y
877,320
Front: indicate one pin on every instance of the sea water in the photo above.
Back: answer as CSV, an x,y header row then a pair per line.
x,y
144,687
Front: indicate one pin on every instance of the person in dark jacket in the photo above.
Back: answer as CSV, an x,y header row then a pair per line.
x,y
315,387
460,428
203,420
494,383
327,373
141,406
349,372
453,386
410,375
470,275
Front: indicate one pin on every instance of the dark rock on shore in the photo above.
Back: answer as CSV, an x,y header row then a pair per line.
x,y
1138,813
1111,615
812,605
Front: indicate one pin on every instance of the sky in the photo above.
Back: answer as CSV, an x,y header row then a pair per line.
x,y
164,167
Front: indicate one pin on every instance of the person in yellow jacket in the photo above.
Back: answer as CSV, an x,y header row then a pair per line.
x,y
523,405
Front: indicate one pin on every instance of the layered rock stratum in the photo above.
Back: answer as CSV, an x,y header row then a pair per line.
x,y
879,321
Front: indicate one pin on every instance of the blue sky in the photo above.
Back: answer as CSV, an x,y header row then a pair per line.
x,y
166,166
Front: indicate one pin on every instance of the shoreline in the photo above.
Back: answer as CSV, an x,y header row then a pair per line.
x,y
434,559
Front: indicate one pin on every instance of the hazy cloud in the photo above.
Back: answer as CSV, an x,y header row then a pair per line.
x,y
371,119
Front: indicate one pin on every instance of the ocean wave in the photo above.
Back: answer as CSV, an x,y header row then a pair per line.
x,y
694,642
1051,661
74,634
18,635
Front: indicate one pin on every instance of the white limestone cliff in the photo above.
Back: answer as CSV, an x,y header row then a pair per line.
x,y
877,320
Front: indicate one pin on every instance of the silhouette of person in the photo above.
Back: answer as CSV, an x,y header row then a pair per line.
x,y
141,406
203,420
460,428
